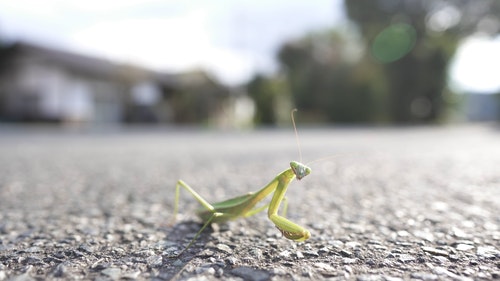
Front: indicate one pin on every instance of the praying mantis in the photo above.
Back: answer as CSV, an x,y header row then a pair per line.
x,y
245,205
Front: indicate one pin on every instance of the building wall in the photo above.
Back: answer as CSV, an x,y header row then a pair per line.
x,y
37,91
39,84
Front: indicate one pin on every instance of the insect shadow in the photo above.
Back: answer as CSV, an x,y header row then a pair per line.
x,y
183,232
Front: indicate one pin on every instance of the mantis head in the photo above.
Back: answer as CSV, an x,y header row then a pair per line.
x,y
300,170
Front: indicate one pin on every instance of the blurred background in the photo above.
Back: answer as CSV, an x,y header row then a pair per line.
x,y
241,64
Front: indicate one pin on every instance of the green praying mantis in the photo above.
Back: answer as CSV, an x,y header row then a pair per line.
x,y
245,205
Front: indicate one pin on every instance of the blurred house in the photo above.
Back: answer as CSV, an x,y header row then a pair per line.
x,y
39,84
482,107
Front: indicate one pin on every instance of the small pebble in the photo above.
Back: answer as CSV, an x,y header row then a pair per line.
x,y
250,274
464,247
155,261
406,258
225,248
113,272
434,251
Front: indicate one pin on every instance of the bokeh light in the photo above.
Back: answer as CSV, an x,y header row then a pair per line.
x,y
393,42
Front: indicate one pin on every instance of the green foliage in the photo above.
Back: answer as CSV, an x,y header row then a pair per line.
x,y
197,99
328,80
391,67
413,42
271,98
261,91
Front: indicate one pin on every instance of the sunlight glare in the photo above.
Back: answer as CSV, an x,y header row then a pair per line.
x,y
476,66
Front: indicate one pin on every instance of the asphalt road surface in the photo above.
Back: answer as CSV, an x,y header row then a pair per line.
x,y
417,203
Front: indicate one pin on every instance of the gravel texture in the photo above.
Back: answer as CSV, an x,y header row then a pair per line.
x,y
393,204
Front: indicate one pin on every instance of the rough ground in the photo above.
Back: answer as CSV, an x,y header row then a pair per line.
x,y
394,204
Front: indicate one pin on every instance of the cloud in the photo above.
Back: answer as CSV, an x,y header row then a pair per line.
x,y
233,39
156,42
172,44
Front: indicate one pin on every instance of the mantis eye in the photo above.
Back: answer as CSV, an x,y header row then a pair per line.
x,y
300,170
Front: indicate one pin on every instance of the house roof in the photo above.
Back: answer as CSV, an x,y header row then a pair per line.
x,y
88,65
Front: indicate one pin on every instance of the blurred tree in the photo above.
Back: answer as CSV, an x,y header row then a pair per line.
x,y
271,99
326,79
264,96
413,41
198,99
390,67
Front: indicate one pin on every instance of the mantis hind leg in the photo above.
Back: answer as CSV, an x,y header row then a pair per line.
x,y
212,217
202,201
195,194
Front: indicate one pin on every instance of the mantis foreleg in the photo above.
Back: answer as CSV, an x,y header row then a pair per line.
x,y
288,228
262,208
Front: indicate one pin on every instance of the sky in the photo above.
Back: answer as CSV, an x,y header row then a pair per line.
x,y
231,39
476,66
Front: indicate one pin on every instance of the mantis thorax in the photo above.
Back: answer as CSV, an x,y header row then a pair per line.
x,y
300,170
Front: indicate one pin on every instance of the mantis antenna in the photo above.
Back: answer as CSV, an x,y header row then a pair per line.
x,y
296,134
